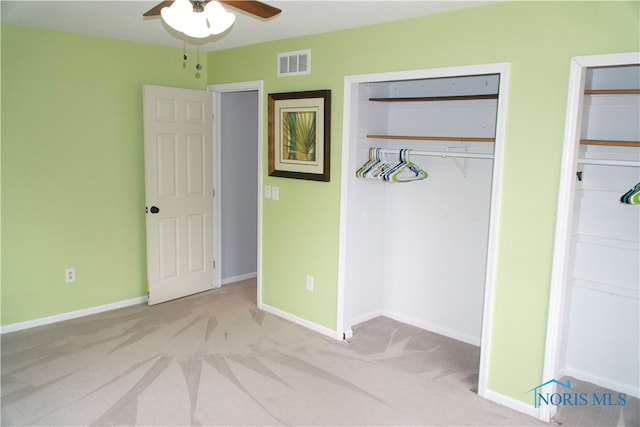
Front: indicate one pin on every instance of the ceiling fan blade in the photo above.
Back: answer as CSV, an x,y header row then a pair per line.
x,y
155,10
256,8
253,7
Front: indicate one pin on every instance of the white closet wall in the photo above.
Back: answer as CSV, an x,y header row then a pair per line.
x,y
601,333
417,251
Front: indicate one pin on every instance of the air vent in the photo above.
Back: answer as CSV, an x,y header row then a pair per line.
x,y
294,63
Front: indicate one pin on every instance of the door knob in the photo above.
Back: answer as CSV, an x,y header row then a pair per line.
x,y
154,209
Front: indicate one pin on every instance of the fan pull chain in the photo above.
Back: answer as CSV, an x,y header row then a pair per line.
x,y
198,66
184,55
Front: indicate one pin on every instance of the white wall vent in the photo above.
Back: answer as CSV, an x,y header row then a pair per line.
x,y
294,63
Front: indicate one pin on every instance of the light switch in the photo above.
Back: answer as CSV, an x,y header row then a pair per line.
x,y
275,192
267,191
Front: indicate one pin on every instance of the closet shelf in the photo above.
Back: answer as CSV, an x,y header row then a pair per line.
x,y
607,288
432,138
611,242
610,142
437,98
611,91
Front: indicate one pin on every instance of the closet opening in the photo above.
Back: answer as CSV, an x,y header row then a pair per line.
x,y
422,161
593,335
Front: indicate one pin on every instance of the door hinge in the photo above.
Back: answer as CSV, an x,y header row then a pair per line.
x,y
214,264
213,192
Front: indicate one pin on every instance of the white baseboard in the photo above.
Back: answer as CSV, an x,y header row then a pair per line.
x,y
602,382
512,403
437,329
239,278
300,321
364,318
71,315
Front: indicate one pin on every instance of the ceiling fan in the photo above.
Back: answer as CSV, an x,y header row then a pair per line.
x,y
259,9
204,18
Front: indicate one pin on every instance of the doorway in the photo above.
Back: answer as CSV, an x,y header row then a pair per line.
x,y
237,110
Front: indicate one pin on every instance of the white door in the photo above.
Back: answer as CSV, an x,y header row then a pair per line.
x,y
178,152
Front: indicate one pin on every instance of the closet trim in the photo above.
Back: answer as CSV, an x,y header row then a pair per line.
x,y
349,152
573,125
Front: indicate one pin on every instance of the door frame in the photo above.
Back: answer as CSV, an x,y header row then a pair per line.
x,y
569,167
217,90
349,155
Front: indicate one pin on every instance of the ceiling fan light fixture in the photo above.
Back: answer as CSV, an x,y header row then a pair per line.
x,y
196,25
182,17
176,15
219,19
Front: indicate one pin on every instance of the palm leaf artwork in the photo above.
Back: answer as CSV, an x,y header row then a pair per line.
x,y
299,135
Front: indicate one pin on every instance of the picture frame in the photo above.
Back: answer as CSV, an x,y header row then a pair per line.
x,y
299,135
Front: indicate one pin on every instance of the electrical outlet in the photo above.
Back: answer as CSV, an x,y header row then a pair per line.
x,y
310,283
70,275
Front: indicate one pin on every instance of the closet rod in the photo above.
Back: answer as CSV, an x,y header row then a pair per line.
x,y
444,154
630,163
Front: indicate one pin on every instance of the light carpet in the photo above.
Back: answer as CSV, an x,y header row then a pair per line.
x,y
215,359
613,411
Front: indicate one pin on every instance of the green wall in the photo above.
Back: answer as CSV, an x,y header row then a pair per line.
x,y
300,232
72,159
73,168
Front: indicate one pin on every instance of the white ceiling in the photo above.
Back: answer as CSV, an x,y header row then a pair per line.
x,y
123,20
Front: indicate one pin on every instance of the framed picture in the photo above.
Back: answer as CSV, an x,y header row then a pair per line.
x,y
299,134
